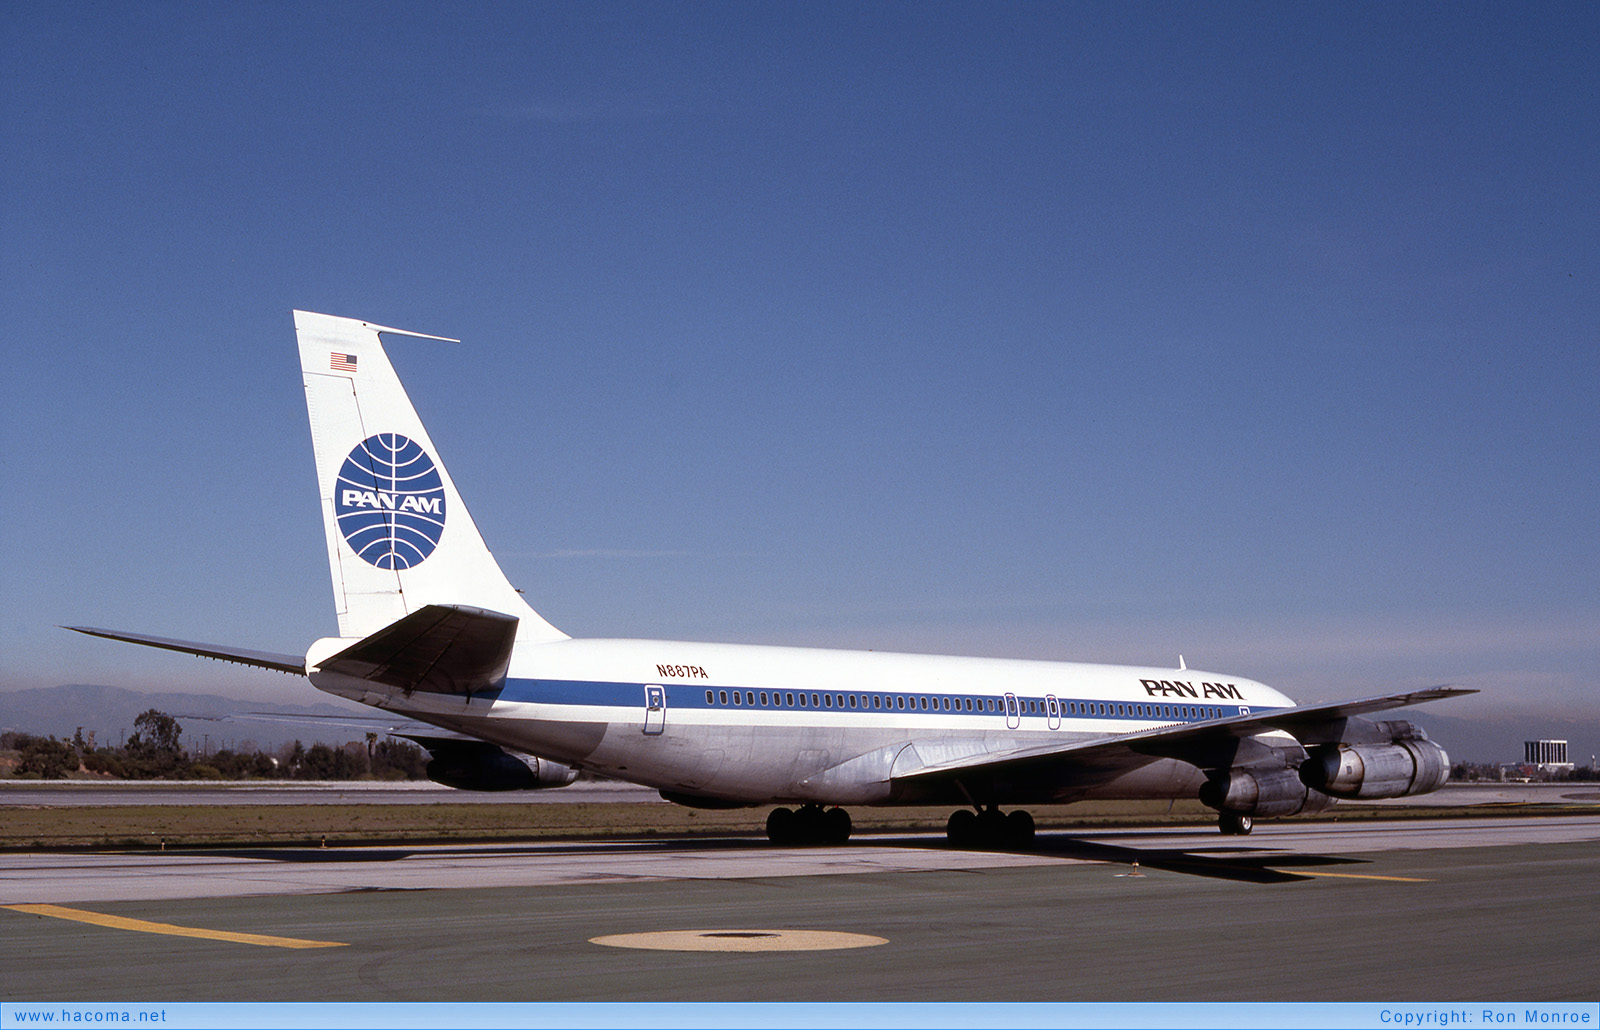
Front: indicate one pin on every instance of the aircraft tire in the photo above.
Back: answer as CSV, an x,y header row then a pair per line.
x,y
1019,829
1235,824
835,826
962,829
808,825
992,828
782,826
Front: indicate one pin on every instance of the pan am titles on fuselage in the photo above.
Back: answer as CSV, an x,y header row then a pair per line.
x,y
430,629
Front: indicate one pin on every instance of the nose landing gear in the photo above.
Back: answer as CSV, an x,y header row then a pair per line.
x,y
1234,824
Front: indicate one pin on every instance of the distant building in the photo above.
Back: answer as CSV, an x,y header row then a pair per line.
x,y
1546,754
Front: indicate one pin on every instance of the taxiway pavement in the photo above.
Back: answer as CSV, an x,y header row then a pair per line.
x,y
1474,909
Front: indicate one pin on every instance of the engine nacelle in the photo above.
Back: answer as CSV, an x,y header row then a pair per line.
x,y
1398,769
471,765
1267,793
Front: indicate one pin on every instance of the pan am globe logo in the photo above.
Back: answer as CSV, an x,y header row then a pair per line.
x,y
389,501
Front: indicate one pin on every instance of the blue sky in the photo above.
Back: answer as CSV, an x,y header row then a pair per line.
x,y
1265,334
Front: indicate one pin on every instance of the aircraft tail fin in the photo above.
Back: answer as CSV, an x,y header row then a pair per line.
x,y
399,536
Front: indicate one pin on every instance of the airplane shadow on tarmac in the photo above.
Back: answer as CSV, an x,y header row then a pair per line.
x,y
1236,862
1233,862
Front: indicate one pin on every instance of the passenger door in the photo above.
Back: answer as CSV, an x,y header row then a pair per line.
x,y
655,709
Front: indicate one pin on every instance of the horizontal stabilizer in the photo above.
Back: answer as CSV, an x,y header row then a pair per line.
x,y
290,663
441,649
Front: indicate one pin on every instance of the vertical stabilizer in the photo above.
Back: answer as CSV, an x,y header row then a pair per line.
x,y
399,536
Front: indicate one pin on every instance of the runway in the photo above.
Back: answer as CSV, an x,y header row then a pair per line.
x,y
240,872
1476,909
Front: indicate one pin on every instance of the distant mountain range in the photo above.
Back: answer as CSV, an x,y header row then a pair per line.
x,y
209,720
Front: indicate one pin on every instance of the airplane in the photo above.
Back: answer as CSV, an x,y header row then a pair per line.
x,y
431,630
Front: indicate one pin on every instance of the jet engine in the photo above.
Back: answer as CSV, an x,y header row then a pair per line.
x,y
479,765
1394,770
1261,792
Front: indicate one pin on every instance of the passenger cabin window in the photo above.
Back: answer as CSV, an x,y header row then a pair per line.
x,y
709,697
722,696
789,700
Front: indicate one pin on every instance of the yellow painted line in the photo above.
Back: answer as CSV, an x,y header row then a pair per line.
x,y
1357,876
144,926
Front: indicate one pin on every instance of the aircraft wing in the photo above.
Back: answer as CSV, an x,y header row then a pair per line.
x,y
290,663
1207,744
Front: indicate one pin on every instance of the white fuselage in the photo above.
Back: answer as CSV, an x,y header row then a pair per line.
x,y
759,724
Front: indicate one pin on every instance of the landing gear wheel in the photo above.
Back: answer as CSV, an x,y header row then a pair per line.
x,y
962,829
781,826
1234,824
991,828
811,824
1019,829
808,825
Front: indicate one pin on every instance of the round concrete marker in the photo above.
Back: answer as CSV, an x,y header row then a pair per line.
x,y
740,940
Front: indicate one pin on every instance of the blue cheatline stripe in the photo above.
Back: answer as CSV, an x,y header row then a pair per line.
x,y
691,697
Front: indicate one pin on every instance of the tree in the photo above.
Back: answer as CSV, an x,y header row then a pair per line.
x,y
153,751
399,760
46,757
156,732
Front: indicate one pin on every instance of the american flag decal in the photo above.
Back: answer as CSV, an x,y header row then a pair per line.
x,y
342,362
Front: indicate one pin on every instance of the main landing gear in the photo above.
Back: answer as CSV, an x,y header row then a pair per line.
x,y
810,824
1234,824
990,828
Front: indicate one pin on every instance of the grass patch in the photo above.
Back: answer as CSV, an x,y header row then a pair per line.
x,y
152,826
